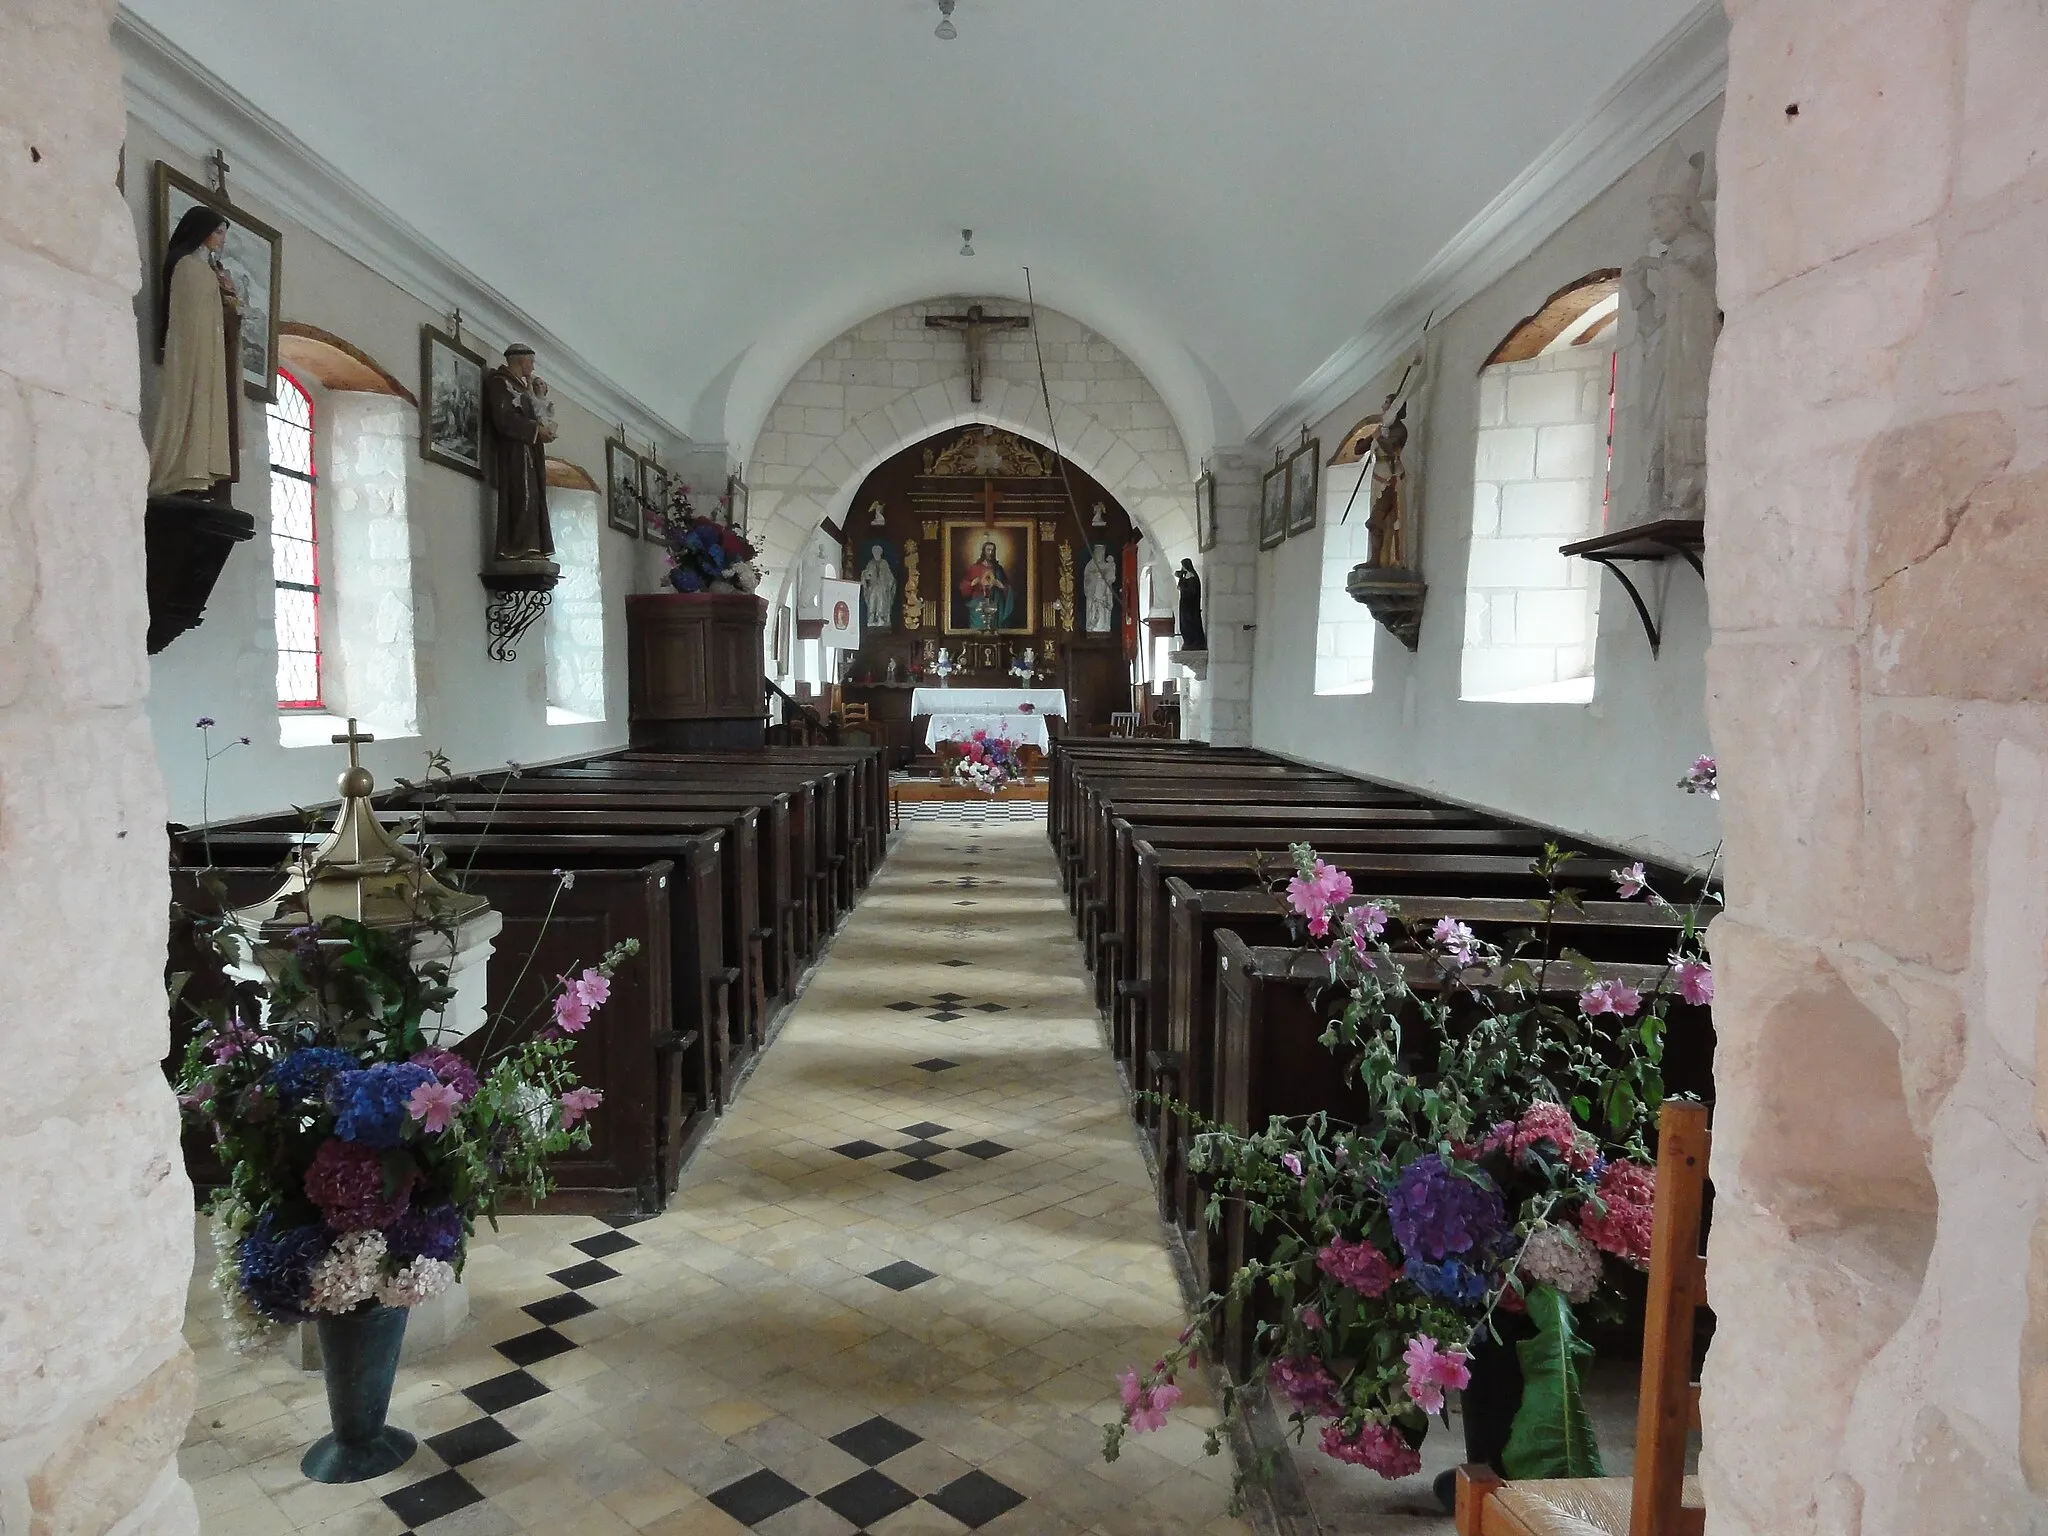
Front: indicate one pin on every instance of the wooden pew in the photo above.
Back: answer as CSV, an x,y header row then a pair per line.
x,y
632,1052
1068,755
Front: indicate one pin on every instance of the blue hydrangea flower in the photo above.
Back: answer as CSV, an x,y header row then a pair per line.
x,y
1438,1212
275,1264
1453,1280
434,1233
683,579
306,1072
369,1106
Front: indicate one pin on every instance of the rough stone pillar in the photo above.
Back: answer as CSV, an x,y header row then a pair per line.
x,y
1219,707
95,1212
1879,700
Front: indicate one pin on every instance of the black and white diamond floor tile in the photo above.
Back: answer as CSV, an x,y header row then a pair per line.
x,y
870,1497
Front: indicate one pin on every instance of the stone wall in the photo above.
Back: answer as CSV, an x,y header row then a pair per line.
x,y
95,1212
891,381
1878,550
1219,704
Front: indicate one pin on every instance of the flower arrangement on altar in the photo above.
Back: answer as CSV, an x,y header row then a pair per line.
x,y
988,763
1500,1179
704,554
360,1153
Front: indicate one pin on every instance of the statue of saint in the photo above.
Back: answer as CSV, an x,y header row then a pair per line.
x,y
1098,591
1194,635
195,448
878,590
1384,524
913,607
522,422
1670,296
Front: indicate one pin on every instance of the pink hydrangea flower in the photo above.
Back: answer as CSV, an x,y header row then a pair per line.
x,y
1631,881
1616,997
1377,1446
1629,1193
1544,1121
1145,1408
1312,1319
1358,1265
434,1106
1432,1369
1695,980
577,1103
1307,1384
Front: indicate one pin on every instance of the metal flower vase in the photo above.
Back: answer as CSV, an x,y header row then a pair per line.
x,y
359,1357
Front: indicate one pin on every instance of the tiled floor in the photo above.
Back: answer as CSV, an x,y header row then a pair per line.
x,y
890,1297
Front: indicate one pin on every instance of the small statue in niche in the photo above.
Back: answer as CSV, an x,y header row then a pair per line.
x,y
1098,586
878,590
1194,636
892,670
195,447
1670,297
913,605
522,425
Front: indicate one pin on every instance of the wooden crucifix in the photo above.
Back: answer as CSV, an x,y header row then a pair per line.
x,y
974,327
217,170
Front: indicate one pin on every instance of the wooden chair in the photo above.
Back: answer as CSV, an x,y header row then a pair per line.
x,y
1660,1500
1124,722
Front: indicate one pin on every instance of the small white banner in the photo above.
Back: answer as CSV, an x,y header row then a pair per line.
x,y
839,602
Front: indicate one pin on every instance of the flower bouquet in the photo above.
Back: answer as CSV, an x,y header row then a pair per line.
x,y
704,554
1499,1179
988,763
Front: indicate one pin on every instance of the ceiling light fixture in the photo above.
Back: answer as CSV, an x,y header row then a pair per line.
x,y
947,31
966,242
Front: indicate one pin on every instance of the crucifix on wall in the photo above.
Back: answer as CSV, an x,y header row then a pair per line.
x,y
974,327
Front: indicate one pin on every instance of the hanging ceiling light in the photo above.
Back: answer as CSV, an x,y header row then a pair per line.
x,y
947,31
966,242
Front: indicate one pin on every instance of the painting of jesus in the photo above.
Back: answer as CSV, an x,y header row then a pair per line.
x,y
991,583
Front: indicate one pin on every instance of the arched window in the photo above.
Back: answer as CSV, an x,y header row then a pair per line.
x,y
1345,631
1545,447
295,547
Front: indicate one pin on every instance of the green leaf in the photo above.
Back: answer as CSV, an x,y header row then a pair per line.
x,y
1552,1435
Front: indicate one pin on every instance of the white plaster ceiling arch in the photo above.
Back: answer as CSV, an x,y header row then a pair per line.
x,y
791,516
739,399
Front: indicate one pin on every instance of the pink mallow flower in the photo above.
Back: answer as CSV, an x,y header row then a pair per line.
x,y
1616,997
1631,881
1431,1369
1358,1265
577,1103
1628,1191
1369,919
1457,939
1378,1446
1695,980
434,1106
1312,1319
572,1014
1145,1408
1291,1161
593,989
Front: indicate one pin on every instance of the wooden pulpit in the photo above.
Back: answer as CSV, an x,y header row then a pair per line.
x,y
695,673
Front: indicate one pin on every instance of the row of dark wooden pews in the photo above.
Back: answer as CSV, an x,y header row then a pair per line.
x,y
732,868
1170,853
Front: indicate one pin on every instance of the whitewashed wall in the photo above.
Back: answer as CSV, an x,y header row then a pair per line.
x,y
480,712
1604,769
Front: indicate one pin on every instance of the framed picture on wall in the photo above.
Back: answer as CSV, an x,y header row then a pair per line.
x,y
253,257
736,500
654,482
1273,508
452,408
990,576
1304,484
1205,511
621,486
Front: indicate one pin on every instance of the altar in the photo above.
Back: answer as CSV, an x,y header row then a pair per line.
x,y
1017,714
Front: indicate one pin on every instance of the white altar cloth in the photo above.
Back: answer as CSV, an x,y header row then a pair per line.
x,y
1019,730
994,701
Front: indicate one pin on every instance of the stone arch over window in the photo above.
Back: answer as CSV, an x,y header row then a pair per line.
x,y
890,382
1545,448
367,426
565,476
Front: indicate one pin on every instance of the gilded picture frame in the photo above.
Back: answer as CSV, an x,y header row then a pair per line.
x,y
1304,487
253,257
1273,508
980,600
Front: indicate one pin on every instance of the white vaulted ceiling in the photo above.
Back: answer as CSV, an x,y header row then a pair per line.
x,y
698,193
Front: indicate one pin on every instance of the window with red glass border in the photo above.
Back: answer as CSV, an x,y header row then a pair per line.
x,y
295,547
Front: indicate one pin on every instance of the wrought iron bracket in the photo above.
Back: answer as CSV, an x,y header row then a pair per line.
x,y
516,601
1682,538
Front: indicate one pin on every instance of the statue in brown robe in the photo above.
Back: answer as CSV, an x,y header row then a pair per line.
x,y
522,425
194,449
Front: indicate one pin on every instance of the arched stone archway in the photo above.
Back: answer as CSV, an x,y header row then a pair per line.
x,y
891,382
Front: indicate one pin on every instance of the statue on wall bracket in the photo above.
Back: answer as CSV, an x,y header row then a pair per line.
x,y
1669,354
1388,582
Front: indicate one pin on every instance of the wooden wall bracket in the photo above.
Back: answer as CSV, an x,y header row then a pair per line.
x,y
1393,595
186,542
1680,538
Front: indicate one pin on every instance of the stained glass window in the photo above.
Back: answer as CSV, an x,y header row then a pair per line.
x,y
295,546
